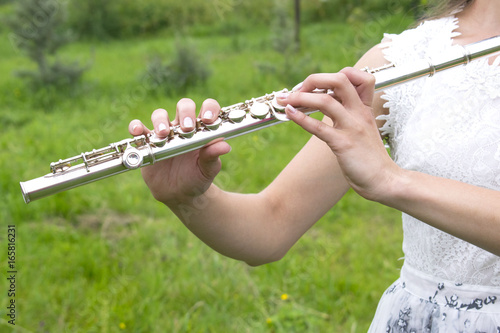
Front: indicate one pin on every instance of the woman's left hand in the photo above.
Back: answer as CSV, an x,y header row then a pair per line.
x,y
354,137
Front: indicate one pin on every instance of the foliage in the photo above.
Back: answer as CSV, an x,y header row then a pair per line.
x,y
106,258
100,19
282,32
37,31
293,66
121,19
113,19
186,69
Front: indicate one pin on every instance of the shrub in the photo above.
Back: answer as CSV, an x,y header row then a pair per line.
x,y
126,18
95,18
185,70
37,31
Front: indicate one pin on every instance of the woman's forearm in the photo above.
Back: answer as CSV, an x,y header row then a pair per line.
x,y
240,226
262,227
468,212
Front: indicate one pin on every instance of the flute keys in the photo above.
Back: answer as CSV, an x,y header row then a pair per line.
x,y
237,116
59,167
278,110
132,158
156,141
185,135
278,107
259,110
215,125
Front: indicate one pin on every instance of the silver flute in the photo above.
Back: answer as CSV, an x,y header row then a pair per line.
x,y
233,121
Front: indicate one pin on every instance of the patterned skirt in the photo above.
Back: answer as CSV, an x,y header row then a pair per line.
x,y
417,302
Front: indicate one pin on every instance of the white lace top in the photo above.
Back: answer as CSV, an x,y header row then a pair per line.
x,y
447,126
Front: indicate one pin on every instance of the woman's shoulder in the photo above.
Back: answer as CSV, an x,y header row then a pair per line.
x,y
427,39
424,41
415,43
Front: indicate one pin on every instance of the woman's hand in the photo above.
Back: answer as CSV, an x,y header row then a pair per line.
x,y
189,175
354,137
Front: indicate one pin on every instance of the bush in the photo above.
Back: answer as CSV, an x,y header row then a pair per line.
x,y
37,31
126,18
94,18
186,70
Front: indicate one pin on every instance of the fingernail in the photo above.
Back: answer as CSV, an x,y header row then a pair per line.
x,y
297,87
162,127
282,95
134,127
188,122
291,109
208,115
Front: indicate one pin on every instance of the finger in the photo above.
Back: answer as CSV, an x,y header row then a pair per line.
x,y
340,83
136,127
186,114
209,158
209,111
323,102
161,124
363,82
298,87
311,125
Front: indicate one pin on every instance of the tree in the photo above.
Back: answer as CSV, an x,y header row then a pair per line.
x,y
37,30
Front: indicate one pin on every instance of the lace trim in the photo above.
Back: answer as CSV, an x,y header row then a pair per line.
x,y
407,47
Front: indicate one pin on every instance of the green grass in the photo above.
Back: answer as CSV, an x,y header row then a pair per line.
x,y
107,258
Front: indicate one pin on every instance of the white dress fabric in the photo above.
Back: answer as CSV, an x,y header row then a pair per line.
x,y
447,126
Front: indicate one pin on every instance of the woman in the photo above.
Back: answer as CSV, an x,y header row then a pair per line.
x,y
445,139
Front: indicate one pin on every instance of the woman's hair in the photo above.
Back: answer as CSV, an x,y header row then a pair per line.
x,y
440,8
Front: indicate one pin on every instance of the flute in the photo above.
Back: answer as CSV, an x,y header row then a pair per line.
x,y
234,120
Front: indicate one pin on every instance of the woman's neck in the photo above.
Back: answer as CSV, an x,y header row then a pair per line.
x,y
478,21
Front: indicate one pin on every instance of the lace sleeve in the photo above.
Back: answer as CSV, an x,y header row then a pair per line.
x,y
412,44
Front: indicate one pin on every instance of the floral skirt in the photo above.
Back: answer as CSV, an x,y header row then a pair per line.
x,y
417,302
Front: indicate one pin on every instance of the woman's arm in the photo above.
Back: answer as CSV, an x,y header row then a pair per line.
x,y
260,228
469,212
256,228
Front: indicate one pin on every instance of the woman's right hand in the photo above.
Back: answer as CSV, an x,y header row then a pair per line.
x,y
184,177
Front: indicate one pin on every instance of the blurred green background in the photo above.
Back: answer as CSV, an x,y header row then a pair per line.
x,y
106,257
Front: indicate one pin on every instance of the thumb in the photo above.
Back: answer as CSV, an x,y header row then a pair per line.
x,y
208,159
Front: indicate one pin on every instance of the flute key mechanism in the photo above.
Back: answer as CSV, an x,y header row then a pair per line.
x,y
237,116
214,126
234,120
259,110
132,158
